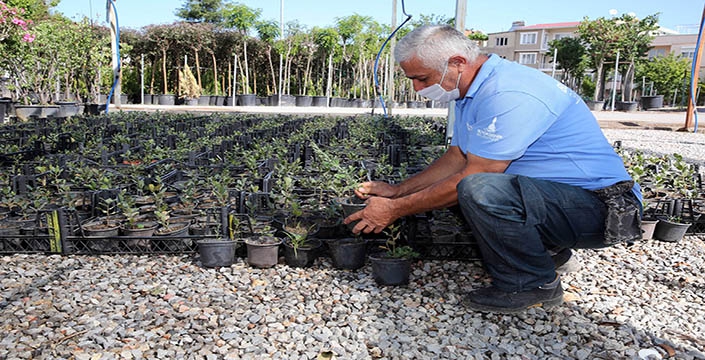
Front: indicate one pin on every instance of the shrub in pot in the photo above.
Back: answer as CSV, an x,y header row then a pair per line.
x,y
393,265
300,250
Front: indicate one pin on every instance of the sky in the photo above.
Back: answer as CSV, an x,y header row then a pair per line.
x,y
486,16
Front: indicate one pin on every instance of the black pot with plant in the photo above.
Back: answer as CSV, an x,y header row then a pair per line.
x,y
392,266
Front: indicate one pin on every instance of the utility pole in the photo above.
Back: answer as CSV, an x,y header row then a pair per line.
x,y
281,56
696,72
461,9
112,20
391,63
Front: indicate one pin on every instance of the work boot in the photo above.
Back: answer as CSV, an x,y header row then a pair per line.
x,y
492,299
565,261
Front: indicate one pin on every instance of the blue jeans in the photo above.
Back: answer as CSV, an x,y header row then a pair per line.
x,y
516,219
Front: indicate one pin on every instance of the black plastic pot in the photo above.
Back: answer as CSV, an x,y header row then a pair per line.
x,y
286,100
304,256
652,102
303,100
350,206
204,100
390,271
348,253
167,99
319,101
670,231
247,100
595,105
625,105
216,253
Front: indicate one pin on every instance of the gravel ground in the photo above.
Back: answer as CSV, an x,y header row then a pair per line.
x,y
624,303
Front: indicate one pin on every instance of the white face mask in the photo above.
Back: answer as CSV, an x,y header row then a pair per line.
x,y
438,93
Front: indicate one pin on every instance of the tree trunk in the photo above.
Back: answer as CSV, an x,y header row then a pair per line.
x,y
215,74
271,68
329,82
151,81
247,69
307,74
598,82
165,90
230,78
198,69
627,80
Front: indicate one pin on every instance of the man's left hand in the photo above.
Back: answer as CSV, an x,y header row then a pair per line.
x,y
375,217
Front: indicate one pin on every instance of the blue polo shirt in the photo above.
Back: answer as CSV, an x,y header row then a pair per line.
x,y
513,112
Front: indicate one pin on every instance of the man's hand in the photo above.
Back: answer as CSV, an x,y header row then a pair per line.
x,y
375,217
376,188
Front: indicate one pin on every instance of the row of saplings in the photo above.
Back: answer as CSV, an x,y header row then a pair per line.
x,y
301,242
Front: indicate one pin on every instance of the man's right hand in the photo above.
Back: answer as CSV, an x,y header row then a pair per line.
x,y
376,188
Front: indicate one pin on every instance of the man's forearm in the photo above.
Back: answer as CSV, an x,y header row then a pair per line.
x,y
439,195
450,163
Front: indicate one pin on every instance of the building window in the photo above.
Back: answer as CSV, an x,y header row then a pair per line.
x,y
654,53
527,58
501,41
528,38
688,52
561,36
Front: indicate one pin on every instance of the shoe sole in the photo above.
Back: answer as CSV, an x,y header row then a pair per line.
x,y
492,309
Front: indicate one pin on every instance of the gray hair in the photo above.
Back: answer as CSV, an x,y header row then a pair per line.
x,y
434,45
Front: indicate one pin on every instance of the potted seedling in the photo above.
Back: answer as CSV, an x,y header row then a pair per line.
x,y
104,227
300,249
393,265
166,227
220,250
135,224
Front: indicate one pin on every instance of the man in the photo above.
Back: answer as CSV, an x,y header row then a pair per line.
x,y
527,164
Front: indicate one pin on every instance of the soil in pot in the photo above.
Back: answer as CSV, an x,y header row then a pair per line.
x,y
304,255
262,251
217,253
388,270
348,253
140,231
103,231
170,238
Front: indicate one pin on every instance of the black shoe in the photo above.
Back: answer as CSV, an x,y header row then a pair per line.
x,y
492,299
565,261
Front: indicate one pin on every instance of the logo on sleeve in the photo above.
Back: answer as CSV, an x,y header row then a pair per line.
x,y
490,132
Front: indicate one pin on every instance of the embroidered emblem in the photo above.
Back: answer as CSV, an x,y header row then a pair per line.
x,y
490,132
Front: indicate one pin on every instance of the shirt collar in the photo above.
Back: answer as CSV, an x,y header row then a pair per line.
x,y
485,71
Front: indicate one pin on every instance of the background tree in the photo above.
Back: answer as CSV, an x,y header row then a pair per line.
x,y
666,73
570,57
326,40
634,42
348,28
207,11
242,18
600,38
478,36
605,37
268,31
34,10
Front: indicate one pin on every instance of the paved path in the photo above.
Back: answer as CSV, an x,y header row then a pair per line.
x,y
665,119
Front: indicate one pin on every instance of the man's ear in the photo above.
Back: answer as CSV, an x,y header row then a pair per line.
x,y
458,61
